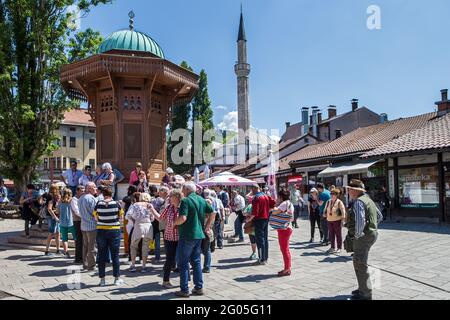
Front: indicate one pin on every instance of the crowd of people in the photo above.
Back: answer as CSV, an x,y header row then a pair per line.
x,y
191,221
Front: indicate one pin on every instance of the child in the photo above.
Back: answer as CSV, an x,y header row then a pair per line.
x,y
66,220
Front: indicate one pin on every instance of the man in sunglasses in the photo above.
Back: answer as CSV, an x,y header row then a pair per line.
x,y
86,177
72,177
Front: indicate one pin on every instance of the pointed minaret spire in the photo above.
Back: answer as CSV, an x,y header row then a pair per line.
x,y
242,70
241,36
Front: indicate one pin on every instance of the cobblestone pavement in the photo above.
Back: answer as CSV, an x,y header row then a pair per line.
x,y
409,261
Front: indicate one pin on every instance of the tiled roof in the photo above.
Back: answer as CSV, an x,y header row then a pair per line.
x,y
78,117
433,135
365,139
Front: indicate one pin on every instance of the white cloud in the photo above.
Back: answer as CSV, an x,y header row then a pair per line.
x,y
221,108
229,122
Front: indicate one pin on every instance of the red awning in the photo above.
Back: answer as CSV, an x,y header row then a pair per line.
x,y
295,180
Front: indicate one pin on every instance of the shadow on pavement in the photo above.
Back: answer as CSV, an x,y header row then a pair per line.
x,y
333,259
236,265
340,297
64,287
146,287
314,254
164,296
256,278
416,227
234,260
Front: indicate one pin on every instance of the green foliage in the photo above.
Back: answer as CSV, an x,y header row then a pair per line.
x,y
201,109
180,120
36,39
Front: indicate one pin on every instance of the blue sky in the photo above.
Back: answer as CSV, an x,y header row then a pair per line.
x,y
302,52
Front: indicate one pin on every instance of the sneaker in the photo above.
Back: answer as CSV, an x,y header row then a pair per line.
x,y
205,270
360,297
197,292
284,273
331,251
311,240
182,294
296,226
67,255
355,292
260,263
253,257
167,285
132,268
338,251
240,241
102,282
118,282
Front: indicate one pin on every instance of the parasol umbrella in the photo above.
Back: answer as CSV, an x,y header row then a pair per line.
x,y
227,179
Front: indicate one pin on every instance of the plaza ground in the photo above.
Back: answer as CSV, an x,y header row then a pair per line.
x,y
409,261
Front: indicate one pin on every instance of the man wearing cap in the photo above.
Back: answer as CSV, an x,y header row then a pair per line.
x,y
362,224
72,176
134,175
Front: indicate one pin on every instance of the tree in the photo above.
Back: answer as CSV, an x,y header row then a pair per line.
x,y
202,112
180,120
36,39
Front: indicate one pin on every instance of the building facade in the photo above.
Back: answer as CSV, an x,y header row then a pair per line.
x,y
76,142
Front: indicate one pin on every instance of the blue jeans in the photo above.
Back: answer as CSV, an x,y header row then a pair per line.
x,y
218,231
238,231
262,238
207,262
108,241
189,252
157,246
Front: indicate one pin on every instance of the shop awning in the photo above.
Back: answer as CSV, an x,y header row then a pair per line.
x,y
347,168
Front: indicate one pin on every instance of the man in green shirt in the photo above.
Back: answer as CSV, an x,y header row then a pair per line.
x,y
192,215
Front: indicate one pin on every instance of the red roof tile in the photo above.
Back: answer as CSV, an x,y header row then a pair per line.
x,y
78,117
435,134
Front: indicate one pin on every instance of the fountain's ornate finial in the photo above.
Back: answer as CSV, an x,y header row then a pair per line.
x,y
132,16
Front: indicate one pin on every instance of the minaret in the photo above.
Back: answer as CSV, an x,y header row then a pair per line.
x,y
242,69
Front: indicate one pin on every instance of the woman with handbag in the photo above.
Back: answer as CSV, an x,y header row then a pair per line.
x,y
249,229
336,214
281,220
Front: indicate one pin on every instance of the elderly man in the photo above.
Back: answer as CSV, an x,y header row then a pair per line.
x,y
86,206
362,224
238,206
192,214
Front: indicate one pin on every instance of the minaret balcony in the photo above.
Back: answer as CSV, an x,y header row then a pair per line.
x,y
242,69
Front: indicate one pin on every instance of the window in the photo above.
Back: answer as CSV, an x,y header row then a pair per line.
x,y
306,140
46,164
91,130
92,163
91,144
64,164
73,129
419,187
58,163
64,141
73,142
58,142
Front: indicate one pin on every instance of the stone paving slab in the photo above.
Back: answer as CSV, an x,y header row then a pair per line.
x,y
410,261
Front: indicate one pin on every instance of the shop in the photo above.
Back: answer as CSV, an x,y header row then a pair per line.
x,y
420,186
372,173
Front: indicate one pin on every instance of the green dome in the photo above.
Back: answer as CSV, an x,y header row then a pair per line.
x,y
131,40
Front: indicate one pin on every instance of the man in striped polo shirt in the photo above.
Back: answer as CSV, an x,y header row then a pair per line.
x,y
108,213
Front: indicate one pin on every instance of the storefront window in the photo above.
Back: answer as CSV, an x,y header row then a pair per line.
x,y
419,187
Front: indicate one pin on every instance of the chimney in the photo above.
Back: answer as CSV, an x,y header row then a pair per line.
x,y
355,104
315,112
319,117
332,112
338,133
384,118
305,116
444,104
288,124
311,119
305,120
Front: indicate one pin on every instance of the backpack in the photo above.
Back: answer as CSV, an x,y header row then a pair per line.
x,y
280,221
